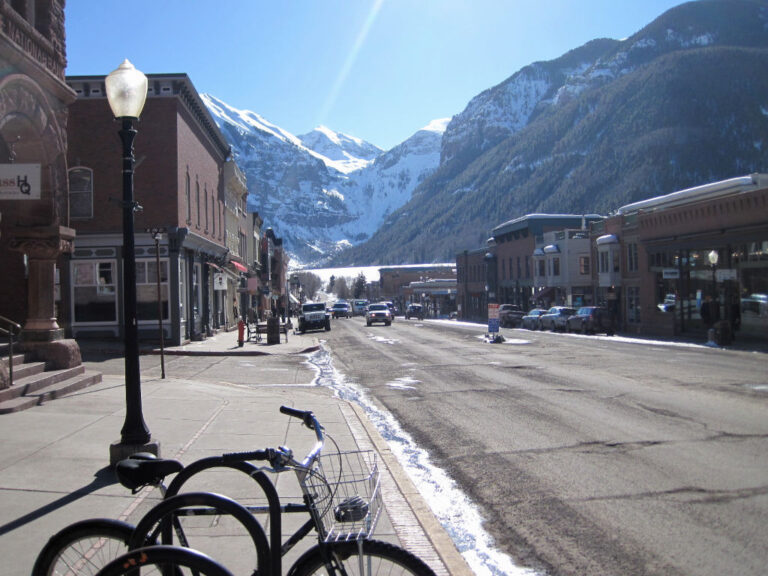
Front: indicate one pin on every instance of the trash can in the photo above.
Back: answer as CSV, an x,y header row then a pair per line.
x,y
723,334
273,330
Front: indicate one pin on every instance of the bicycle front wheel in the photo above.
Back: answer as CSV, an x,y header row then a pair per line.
x,y
162,561
83,548
377,559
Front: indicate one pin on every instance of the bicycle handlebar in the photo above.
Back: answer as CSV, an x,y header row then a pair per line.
x,y
280,457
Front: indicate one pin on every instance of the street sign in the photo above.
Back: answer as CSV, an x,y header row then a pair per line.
x,y
493,318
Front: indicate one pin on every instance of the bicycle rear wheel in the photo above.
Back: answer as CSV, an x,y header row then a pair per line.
x,y
378,559
162,561
83,548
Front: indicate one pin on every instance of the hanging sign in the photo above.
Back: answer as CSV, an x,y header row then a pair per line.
x,y
19,181
219,282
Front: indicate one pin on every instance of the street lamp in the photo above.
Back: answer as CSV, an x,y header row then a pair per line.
x,y
126,92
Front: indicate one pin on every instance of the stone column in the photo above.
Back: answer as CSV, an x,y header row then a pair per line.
x,y
41,335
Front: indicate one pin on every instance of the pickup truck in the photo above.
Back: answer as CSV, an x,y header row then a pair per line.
x,y
510,315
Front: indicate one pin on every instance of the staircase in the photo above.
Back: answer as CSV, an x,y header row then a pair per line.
x,y
33,384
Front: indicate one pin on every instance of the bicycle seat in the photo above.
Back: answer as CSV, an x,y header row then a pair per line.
x,y
134,473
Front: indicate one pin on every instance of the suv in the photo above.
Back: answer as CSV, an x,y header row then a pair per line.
x,y
314,316
510,315
341,310
414,311
378,312
591,319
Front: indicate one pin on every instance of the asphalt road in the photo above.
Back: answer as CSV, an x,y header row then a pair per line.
x,y
588,456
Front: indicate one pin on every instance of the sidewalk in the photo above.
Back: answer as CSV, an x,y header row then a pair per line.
x,y
54,458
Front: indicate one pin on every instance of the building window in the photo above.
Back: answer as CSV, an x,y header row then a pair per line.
x,y
189,199
603,263
80,193
527,266
633,304
584,265
146,289
197,199
632,257
94,297
519,274
205,200
542,272
555,266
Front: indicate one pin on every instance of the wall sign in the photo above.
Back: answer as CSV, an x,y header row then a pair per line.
x,y
19,181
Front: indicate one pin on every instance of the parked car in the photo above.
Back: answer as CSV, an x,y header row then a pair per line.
x,y
378,312
341,310
414,311
510,315
531,320
314,316
555,318
590,320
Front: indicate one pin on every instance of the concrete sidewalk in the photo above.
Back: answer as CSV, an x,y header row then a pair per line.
x,y
54,458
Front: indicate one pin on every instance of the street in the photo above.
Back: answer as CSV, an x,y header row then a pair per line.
x,y
586,455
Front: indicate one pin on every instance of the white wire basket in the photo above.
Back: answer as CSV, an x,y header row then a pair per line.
x,y
345,488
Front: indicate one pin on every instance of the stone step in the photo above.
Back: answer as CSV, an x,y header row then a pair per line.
x,y
51,391
29,381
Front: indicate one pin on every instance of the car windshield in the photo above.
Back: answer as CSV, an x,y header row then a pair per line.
x,y
339,305
378,307
319,307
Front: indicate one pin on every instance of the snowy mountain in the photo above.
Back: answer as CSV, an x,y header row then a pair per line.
x,y
324,191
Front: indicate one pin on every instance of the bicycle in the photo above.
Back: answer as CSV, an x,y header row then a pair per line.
x,y
163,560
340,492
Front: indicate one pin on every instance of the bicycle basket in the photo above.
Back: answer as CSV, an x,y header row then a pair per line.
x,y
345,491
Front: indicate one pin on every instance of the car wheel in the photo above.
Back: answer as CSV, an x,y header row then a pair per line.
x,y
584,328
567,327
387,323
367,323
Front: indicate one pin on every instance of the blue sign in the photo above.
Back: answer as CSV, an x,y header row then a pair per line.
x,y
493,325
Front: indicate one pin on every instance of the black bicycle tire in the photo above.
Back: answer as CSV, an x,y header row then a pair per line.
x,y
199,563
208,499
312,560
68,539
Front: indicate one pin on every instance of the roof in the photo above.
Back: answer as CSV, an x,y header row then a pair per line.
x,y
536,222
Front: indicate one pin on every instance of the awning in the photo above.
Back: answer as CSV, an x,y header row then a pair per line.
x,y
607,239
238,266
551,249
216,266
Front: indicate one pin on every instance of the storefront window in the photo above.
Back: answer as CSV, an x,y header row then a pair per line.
x,y
94,294
146,289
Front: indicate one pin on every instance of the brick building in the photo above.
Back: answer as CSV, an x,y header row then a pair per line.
x,y
395,281
180,182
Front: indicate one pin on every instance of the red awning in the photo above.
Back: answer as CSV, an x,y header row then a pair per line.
x,y
239,266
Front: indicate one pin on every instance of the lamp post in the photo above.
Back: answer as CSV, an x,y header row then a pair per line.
x,y
126,92
713,305
157,235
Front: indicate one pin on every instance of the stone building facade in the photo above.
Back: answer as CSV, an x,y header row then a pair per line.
x,y
34,212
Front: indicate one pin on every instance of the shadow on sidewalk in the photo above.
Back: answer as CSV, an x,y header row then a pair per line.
x,y
102,478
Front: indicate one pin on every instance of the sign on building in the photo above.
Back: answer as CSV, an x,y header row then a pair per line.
x,y
219,281
19,181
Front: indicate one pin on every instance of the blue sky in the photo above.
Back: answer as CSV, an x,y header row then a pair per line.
x,y
376,69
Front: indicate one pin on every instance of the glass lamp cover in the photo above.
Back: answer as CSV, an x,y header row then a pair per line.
x,y
126,91
713,257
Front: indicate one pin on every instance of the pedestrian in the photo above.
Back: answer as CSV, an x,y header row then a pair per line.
x,y
235,309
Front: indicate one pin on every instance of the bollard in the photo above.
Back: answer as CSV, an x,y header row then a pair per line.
x,y
240,332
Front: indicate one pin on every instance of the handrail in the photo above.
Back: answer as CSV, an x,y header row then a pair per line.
x,y
9,329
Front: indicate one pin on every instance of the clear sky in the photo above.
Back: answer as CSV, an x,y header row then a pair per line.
x,y
376,69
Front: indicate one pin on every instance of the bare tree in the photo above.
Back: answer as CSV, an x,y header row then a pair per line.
x,y
341,288
311,284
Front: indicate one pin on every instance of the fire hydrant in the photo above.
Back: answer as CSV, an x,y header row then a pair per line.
x,y
240,332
